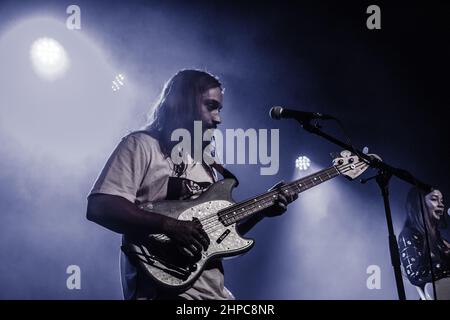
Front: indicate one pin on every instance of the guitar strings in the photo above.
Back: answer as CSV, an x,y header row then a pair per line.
x,y
210,222
212,217
269,195
215,224
240,205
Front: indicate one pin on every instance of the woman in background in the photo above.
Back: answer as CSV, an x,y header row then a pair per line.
x,y
413,247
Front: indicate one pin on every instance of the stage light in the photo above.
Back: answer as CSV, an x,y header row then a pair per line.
x,y
118,82
59,120
302,163
49,58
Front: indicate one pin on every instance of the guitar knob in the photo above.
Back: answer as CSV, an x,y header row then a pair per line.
x,y
193,267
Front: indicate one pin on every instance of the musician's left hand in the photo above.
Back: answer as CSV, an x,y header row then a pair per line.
x,y
280,205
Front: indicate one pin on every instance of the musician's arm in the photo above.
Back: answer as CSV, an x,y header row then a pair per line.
x,y
277,209
120,215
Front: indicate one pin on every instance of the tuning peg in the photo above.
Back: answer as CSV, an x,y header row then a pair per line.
x,y
345,153
365,150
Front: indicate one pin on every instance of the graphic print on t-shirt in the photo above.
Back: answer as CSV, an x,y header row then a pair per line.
x,y
182,188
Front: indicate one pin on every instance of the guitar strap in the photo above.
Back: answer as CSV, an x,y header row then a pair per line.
x,y
225,173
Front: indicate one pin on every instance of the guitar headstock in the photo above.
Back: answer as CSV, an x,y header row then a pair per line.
x,y
350,165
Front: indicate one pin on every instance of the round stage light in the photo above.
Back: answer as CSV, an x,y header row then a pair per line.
x,y
302,163
49,58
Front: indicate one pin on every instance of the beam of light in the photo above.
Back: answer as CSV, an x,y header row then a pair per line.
x,y
49,58
58,121
55,136
302,163
328,240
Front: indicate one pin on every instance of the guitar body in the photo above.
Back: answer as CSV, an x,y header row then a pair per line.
x,y
160,258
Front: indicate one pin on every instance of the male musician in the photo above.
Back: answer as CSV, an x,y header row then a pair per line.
x,y
141,170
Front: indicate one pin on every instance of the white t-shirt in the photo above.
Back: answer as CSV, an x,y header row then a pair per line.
x,y
138,171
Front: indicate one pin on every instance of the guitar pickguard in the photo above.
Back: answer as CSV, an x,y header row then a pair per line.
x,y
224,240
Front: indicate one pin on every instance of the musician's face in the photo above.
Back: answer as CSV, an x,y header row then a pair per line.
x,y
210,105
435,204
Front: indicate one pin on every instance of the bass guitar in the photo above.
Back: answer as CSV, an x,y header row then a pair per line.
x,y
159,257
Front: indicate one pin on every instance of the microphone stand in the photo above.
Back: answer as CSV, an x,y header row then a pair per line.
x,y
385,172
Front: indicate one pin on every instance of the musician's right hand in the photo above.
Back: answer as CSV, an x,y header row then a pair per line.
x,y
188,235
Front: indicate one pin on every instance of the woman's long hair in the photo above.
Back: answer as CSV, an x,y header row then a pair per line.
x,y
415,203
178,104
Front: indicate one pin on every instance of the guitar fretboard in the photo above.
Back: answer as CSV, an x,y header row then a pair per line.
x,y
248,207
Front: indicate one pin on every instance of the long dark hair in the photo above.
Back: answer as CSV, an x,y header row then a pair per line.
x,y
415,203
178,104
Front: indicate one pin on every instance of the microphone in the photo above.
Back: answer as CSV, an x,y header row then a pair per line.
x,y
278,113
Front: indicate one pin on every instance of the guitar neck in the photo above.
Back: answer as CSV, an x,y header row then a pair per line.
x,y
244,209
